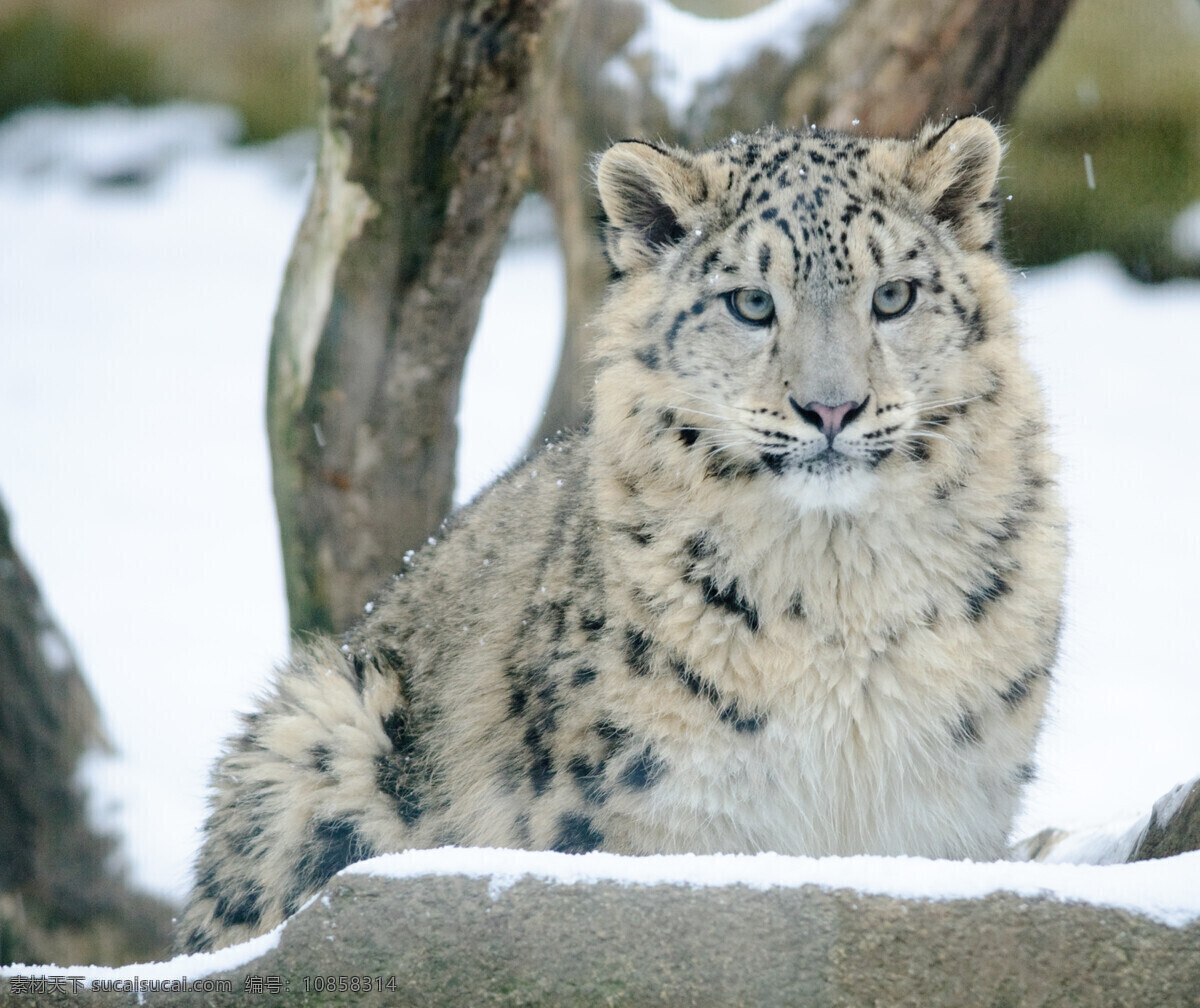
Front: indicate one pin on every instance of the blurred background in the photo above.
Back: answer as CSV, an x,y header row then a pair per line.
x,y
1122,83
154,163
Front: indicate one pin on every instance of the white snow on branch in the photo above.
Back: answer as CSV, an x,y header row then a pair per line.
x,y
687,50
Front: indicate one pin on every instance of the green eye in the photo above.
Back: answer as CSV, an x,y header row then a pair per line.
x,y
893,298
751,305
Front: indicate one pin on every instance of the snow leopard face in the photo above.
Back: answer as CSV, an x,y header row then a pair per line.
x,y
809,306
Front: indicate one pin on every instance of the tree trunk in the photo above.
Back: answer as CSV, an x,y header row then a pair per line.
x,y
423,158
888,65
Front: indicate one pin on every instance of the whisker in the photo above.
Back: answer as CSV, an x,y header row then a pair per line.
x,y
715,403
702,430
933,404
932,435
711,451
718,448
706,400
696,412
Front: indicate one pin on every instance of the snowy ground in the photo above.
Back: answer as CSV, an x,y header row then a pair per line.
x,y
140,259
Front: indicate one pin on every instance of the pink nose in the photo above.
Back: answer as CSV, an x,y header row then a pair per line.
x,y
829,420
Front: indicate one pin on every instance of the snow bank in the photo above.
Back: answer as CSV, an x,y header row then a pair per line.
x,y
140,261
112,144
512,363
1122,728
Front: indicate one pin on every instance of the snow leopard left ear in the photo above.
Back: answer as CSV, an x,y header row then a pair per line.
x,y
953,172
649,196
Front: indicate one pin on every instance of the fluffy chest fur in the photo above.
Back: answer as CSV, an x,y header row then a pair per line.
x,y
842,682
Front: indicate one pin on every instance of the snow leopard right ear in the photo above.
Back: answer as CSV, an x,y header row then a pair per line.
x,y
650,198
953,172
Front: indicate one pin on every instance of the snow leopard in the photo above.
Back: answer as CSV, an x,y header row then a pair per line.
x,y
794,587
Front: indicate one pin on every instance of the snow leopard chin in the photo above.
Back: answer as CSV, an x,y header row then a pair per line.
x,y
844,489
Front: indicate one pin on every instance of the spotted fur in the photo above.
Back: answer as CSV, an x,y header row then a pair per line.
x,y
796,589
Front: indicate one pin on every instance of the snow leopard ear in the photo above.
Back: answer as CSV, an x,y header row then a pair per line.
x,y
649,196
953,172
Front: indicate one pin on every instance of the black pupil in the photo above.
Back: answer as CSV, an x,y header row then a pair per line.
x,y
755,303
892,297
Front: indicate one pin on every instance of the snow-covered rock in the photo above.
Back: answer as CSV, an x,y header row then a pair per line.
x,y
456,927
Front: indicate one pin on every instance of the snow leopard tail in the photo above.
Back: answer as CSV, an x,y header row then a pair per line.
x,y
324,774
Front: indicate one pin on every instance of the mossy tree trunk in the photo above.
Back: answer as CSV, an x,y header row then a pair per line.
x,y
436,118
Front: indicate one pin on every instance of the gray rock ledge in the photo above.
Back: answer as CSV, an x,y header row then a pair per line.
x,y
458,940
